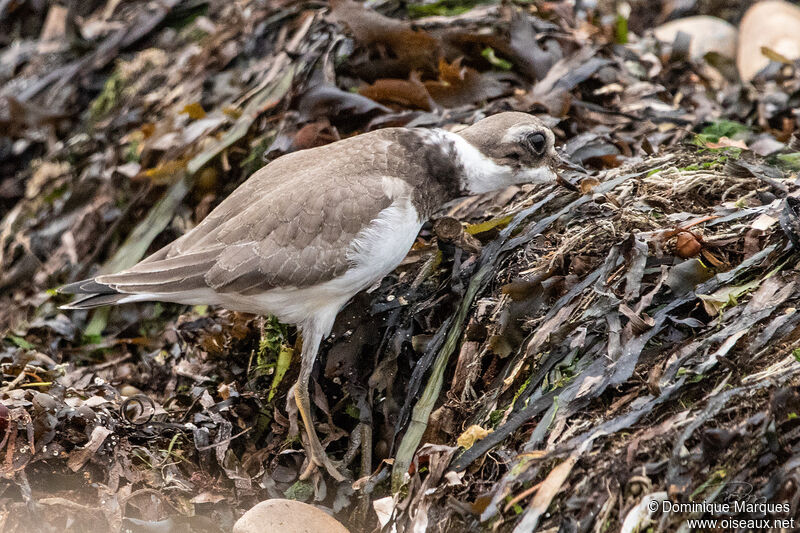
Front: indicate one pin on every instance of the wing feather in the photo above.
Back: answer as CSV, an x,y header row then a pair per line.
x,y
290,224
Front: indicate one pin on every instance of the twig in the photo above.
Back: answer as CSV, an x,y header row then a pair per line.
x,y
521,496
225,441
16,381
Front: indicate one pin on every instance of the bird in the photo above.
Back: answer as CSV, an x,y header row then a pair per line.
x,y
311,229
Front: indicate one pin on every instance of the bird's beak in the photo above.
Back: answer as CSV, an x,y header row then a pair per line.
x,y
562,163
565,163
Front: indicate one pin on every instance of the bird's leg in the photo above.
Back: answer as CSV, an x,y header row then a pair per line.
x,y
317,455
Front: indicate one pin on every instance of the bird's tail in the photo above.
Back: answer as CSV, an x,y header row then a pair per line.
x,y
91,294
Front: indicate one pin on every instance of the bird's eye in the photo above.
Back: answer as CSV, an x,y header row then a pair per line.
x,y
537,142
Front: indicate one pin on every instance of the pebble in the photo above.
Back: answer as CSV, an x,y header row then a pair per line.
x,y
287,516
708,34
773,24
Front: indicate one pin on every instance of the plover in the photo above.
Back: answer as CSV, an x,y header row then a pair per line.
x,y
312,228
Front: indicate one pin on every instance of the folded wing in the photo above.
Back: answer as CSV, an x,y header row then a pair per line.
x,y
290,225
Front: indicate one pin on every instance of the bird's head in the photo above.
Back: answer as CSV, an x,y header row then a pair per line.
x,y
507,149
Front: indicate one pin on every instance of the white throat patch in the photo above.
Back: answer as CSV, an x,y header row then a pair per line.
x,y
482,174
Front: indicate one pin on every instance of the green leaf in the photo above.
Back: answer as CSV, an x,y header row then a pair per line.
x,y
621,30
284,360
93,333
724,297
108,97
722,128
490,56
499,223
301,490
790,160
441,8
22,343
495,417
352,411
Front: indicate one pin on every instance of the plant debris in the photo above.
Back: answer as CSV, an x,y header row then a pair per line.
x,y
543,358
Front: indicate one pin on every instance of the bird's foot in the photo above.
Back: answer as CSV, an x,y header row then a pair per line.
x,y
317,457
314,450
316,453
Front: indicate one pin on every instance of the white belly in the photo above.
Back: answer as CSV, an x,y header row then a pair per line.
x,y
375,252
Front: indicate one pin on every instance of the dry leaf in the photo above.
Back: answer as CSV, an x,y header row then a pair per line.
x,y
725,142
588,184
409,93
194,110
473,434
459,85
687,245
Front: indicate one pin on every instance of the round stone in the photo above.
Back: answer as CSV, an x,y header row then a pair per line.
x,y
287,516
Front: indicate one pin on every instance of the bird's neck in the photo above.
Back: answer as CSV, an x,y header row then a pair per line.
x,y
479,173
456,168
